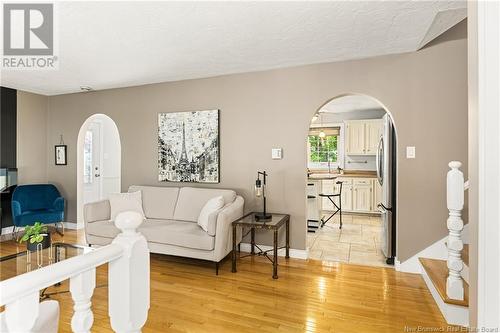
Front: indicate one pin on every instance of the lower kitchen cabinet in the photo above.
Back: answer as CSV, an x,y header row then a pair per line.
x,y
328,187
362,198
359,195
346,197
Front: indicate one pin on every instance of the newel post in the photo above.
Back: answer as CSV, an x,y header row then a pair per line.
x,y
23,313
129,277
455,204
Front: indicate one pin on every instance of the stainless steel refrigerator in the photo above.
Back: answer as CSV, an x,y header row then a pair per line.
x,y
386,174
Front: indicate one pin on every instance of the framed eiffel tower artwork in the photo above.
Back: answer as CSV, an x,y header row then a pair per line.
x,y
188,147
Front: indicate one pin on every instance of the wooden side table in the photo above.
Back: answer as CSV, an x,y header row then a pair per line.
x,y
276,222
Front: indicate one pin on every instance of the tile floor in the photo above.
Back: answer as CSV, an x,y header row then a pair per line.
x,y
358,242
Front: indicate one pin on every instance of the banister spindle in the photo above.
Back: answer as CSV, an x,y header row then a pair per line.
x,y
455,204
82,287
129,277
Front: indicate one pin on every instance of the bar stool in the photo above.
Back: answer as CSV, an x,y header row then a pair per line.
x,y
338,207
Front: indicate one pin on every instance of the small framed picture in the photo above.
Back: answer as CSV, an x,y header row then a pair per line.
x,y
61,154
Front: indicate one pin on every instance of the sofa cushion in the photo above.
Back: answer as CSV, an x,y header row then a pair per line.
x,y
191,200
102,229
122,202
180,233
97,211
171,232
158,202
208,215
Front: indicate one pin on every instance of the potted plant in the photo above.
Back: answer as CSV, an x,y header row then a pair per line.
x,y
34,235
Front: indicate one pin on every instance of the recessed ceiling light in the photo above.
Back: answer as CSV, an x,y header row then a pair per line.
x,y
86,88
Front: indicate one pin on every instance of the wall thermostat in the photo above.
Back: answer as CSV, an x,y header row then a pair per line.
x,y
277,153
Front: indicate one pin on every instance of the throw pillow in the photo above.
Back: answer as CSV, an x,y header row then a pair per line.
x,y
212,206
122,202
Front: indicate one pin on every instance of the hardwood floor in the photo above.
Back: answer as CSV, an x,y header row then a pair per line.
x,y
309,296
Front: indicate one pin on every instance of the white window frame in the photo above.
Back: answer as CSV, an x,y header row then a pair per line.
x,y
322,166
88,179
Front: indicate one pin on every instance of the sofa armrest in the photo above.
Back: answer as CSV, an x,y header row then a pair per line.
x,y
16,208
58,204
224,230
97,211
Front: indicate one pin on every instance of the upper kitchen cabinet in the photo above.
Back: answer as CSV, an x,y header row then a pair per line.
x,y
355,137
373,131
362,136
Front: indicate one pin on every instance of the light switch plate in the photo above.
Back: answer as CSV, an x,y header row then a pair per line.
x,y
410,152
277,153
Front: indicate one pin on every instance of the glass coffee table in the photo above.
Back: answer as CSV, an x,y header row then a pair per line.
x,y
22,262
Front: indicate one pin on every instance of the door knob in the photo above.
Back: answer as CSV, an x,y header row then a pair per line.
x,y
97,175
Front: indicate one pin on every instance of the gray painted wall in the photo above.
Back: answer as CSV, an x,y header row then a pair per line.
x,y
32,155
425,91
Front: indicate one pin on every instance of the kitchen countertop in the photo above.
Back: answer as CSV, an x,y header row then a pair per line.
x,y
358,174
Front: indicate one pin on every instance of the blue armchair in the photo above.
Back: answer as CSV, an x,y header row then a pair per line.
x,y
37,203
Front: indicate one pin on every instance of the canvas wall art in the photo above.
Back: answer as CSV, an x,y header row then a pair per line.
x,y
188,146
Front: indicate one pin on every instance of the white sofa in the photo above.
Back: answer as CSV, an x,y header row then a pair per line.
x,y
171,225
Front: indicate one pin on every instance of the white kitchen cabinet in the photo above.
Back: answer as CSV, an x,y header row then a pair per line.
x,y
373,131
330,187
355,137
359,195
327,188
362,195
346,197
362,136
313,201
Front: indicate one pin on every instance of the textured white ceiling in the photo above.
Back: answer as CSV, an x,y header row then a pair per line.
x,y
116,44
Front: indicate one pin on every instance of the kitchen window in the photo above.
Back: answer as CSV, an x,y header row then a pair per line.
x,y
324,151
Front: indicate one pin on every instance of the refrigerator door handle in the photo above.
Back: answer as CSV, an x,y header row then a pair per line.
x,y
378,161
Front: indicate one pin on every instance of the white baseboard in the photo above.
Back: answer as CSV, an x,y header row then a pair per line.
x,y
71,226
294,253
454,314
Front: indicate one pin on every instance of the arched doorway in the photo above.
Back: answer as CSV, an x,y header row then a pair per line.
x,y
352,165
99,161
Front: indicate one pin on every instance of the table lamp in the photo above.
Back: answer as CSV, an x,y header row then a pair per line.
x,y
260,191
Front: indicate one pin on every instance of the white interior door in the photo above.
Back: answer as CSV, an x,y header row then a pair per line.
x,y
92,150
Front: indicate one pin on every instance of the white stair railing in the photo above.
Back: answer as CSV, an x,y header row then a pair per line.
x,y
128,280
455,224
